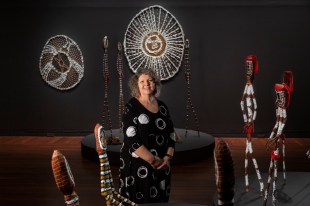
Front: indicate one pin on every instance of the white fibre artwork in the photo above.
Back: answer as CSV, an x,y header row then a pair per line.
x,y
154,39
61,63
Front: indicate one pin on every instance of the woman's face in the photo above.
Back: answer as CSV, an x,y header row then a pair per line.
x,y
146,85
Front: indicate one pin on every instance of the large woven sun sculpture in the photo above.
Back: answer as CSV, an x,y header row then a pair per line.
x,y
154,40
61,63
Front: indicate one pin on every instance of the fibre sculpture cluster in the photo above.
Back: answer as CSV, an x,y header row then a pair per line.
x,y
111,196
283,92
224,174
189,104
249,107
64,178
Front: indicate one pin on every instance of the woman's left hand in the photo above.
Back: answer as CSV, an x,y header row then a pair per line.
x,y
165,164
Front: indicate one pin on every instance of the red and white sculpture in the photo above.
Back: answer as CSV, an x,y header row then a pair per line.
x,y
283,92
249,107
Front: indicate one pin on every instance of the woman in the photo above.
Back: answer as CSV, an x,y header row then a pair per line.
x,y
149,141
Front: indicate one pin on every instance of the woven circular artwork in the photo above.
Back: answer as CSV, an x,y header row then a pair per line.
x,y
61,63
154,40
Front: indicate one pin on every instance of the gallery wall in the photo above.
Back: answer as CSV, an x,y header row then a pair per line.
x,y
221,34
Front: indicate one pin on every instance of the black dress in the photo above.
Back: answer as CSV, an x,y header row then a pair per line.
x,y
138,180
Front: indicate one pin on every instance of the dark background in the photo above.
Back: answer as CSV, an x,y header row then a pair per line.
x,y
221,34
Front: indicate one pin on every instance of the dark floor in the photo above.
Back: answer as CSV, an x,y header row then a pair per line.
x,y
26,176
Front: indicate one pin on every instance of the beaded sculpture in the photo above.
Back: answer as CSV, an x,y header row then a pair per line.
x,y
224,174
154,40
283,92
111,196
249,106
61,63
64,178
106,123
119,66
189,104
106,120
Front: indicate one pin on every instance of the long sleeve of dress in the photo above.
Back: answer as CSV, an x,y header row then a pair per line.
x,y
130,128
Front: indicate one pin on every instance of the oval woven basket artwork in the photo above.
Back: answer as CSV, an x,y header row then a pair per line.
x,y
154,39
61,63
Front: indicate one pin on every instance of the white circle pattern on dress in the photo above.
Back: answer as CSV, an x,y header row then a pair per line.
x,y
153,175
160,140
121,183
163,110
167,170
131,131
154,152
160,123
139,195
130,181
122,163
122,147
130,151
153,192
133,154
172,136
143,119
126,110
142,172
135,146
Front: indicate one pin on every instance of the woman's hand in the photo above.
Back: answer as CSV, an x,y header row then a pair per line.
x,y
157,162
165,163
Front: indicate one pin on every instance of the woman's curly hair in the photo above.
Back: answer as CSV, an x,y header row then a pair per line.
x,y
133,82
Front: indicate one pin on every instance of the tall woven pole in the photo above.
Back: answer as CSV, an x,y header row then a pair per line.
x,y
189,103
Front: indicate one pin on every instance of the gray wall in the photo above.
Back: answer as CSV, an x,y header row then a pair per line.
x,y
221,33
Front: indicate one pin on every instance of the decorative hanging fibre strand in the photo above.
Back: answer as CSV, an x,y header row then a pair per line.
x,y
154,40
61,63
